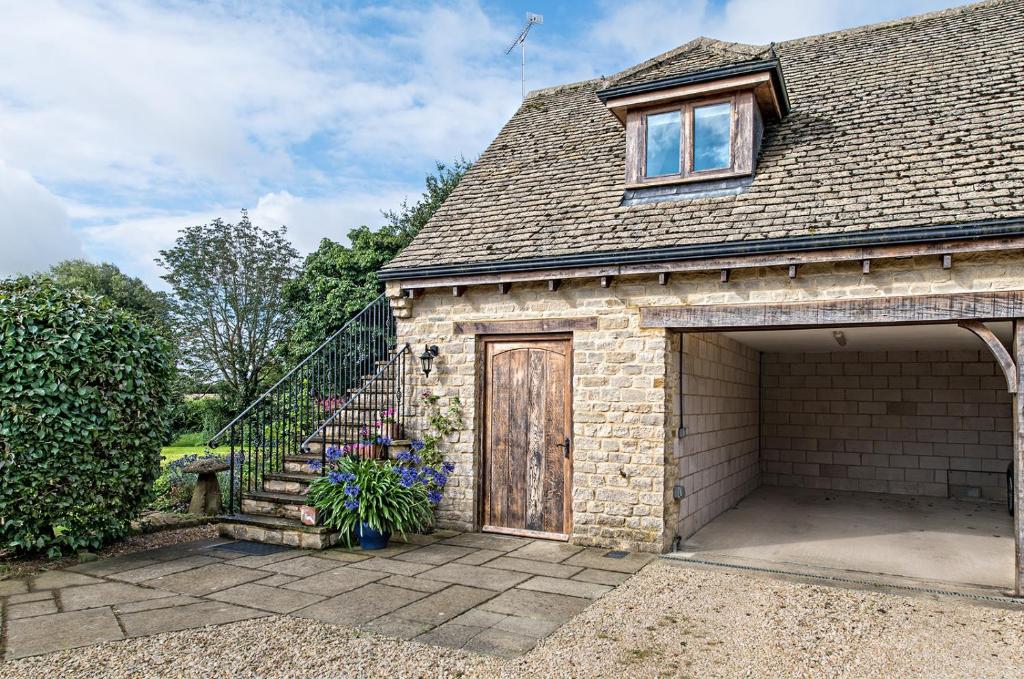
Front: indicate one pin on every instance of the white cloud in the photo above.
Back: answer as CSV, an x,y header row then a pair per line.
x,y
34,228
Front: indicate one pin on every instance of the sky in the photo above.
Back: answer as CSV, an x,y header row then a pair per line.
x,y
123,122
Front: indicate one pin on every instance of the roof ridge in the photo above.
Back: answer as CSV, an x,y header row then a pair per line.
x,y
916,18
566,87
711,44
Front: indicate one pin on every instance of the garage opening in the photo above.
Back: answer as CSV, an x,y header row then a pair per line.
x,y
878,449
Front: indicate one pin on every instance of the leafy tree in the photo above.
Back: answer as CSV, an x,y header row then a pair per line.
x,y
83,405
124,292
228,282
337,280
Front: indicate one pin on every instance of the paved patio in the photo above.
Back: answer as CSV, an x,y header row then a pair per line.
x,y
489,594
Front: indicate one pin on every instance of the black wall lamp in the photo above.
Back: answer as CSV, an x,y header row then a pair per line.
x,y
427,358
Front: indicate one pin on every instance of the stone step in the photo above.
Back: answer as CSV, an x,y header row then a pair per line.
x,y
276,531
315,447
288,482
285,505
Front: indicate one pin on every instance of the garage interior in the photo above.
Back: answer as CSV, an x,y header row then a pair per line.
x,y
880,450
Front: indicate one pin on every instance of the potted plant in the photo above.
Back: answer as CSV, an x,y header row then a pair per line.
x,y
375,498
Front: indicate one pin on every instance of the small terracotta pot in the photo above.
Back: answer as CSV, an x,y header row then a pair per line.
x,y
309,516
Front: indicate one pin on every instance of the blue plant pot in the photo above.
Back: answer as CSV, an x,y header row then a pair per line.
x,y
369,538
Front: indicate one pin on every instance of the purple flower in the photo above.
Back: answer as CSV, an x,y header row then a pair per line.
x,y
434,496
352,504
417,445
315,465
447,467
347,476
333,453
334,477
383,441
352,490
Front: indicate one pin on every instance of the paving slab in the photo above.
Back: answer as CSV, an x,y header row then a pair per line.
x,y
444,605
341,555
59,579
480,556
302,566
115,564
273,599
30,596
434,554
277,580
202,614
500,643
546,550
602,577
259,561
393,549
205,579
552,570
593,557
107,594
476,617
421,540
9,587
31,609
584,590
155,604
527,627
360,606
331,583
417,584
390,626
538,605
450,635
160,568
48,633
499,543
475,576
393,566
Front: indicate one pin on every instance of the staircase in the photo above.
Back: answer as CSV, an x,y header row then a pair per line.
x,y
339,395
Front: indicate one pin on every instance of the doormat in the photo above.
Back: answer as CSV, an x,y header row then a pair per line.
x,y
253,548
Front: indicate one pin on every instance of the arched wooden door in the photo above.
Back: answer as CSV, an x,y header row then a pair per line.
x,y
527,436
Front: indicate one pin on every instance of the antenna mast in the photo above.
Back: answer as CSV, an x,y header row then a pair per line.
x,y
531,19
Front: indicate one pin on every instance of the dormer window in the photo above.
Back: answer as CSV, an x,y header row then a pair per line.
x,y
700,127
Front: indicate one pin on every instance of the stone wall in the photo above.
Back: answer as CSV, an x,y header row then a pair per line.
x,y
622,386
717,458
909,422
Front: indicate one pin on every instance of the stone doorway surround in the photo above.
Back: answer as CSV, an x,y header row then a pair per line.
x,y
490,594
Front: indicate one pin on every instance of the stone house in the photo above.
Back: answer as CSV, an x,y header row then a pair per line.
x,y
733,267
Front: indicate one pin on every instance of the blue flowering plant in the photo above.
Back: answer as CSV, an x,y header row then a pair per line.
x,y
413,471
355,493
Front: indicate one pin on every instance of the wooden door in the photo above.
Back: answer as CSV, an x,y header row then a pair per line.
x,y
527,436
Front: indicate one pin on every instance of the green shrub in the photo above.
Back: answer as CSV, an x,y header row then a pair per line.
x,y
83,412
203,416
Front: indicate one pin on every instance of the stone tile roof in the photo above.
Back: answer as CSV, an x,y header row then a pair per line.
x,y
912,122
702,54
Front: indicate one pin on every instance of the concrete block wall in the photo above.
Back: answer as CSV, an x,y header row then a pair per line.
x,y
717,457
906,422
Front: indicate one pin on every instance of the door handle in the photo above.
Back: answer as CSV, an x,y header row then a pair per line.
x,y
565,448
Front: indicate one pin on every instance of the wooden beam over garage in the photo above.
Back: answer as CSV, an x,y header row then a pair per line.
x,y
870,311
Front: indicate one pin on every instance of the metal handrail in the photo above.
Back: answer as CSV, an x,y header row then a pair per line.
x,y
213,442
386,368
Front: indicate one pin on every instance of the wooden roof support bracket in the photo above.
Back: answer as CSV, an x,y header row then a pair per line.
x,y
458,290
503,288
553,284
865,266
414,293
1002,356
663,278
947,261
792,270
725,276
606,281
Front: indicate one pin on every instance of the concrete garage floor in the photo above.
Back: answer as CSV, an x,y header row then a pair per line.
x,y
886,538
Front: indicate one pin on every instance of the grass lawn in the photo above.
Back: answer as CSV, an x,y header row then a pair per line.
x,y
172,453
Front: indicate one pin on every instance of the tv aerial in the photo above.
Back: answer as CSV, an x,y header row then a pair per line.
x,y
520,40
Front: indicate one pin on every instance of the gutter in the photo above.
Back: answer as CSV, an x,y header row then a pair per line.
x,y
993,228
771,66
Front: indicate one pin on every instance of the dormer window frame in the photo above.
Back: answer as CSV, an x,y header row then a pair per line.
x,y
744,130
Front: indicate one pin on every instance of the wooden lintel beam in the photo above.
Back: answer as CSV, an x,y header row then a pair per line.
x,y
553,284
525,327
724,276
458,290
947,261
792,270
865,266
948,308
503,288
999,351
663,278
606,281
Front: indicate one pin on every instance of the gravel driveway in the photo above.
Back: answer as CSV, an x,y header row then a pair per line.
x,y
668,620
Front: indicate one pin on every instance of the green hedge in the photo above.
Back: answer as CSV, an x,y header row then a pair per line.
x,y
84,397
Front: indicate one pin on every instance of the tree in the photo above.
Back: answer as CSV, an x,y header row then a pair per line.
x,y
228,282
337,280
124,292
84,390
